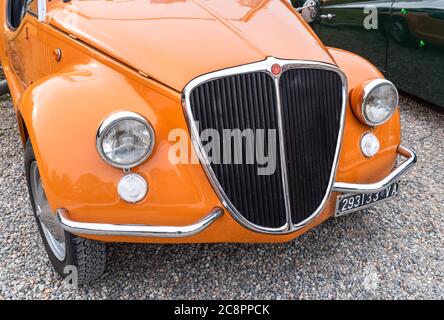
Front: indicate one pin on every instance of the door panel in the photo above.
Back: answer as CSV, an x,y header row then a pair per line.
x,y
357,26
29,56
416,48
17,42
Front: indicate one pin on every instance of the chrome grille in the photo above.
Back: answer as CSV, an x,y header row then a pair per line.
x,y
306,105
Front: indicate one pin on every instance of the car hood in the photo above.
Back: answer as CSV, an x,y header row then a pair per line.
x,y
174,41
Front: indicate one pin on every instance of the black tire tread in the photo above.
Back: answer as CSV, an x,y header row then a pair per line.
x,y
90,258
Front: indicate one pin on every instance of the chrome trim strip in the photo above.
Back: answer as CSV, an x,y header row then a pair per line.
x,y
120,230
384,183
264,66
283,154
41,7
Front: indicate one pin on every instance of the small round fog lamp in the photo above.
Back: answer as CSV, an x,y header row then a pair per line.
x,y
370,145
132,188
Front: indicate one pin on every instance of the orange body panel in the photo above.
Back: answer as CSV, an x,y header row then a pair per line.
x,y
107,52
176,41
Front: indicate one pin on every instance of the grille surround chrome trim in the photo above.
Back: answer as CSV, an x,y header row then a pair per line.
x,y
283,153
265,66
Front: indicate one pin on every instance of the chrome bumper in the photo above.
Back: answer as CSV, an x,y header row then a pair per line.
x,y
394,176
101,229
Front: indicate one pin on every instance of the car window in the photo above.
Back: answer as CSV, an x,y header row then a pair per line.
x,y
16,11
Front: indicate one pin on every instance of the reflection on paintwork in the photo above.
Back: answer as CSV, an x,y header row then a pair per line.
x,y
79,75
408,44
153,39
416,48
85,183
347,31
17,63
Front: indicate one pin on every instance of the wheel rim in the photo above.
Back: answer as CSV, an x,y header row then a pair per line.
x,y
398,32
58,248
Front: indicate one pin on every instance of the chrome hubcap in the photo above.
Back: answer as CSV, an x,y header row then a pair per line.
x,y
43,211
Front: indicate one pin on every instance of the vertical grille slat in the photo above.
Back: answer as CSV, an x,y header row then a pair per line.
x,y
311,102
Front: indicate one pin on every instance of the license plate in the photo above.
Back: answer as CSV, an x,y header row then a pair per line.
x,y
349,203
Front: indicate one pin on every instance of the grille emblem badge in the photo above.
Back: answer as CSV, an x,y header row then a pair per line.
x,y
276,69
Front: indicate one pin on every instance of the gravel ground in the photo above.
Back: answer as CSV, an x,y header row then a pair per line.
x,y
395,250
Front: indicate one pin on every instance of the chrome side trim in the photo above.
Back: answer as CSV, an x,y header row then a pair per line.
x,y
41,4
283,155
264,66
384,183
120,230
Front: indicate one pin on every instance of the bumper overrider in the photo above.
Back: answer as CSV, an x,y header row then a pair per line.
x,y
99,229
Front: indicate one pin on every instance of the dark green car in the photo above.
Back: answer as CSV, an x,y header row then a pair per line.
x,y
404,38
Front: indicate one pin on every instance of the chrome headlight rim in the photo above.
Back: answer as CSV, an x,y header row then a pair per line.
x,y
368,89
109,122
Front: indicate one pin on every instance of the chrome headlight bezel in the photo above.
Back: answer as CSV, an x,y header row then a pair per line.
x,y
109,123
366,92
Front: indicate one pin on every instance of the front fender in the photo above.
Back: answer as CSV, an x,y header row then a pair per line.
x,y
62,114
353,166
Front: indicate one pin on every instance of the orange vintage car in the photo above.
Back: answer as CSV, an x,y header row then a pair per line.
x,y
191,121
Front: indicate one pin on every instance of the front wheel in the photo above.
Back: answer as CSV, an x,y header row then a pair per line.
x,y
400,32
82,259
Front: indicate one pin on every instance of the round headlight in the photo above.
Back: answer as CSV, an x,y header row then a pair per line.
x,y
378,102
125,140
